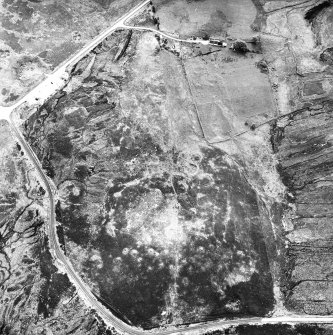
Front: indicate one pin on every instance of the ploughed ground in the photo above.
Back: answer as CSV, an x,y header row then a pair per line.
x,y
302,142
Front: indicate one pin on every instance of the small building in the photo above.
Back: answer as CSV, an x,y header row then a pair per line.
x,y
218,43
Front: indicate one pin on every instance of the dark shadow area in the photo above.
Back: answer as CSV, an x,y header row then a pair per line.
x,y
315,11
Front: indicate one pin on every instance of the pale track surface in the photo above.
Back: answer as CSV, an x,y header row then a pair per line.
x,y
36,97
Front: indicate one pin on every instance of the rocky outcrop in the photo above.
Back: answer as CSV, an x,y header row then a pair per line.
x,y
303,145
304,148
275,330
36,36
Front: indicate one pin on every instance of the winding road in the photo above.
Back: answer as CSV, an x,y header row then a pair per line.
x,y
35,98
158,32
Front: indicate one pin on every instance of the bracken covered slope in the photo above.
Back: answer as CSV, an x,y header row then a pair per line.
x,y
164,227
34,297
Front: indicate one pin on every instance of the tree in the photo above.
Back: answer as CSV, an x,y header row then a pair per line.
x,y
240,47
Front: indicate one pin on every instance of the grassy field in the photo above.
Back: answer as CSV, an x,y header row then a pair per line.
x,y
231,91
218,18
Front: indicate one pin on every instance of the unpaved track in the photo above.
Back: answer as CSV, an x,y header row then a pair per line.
x,y
35,98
